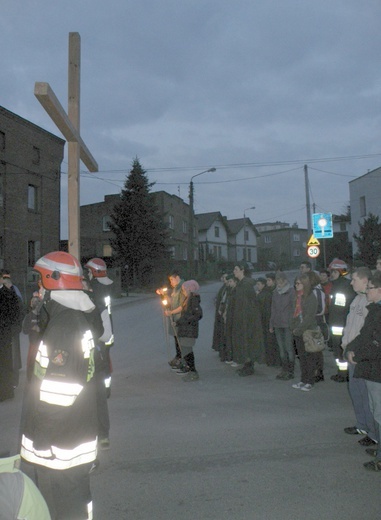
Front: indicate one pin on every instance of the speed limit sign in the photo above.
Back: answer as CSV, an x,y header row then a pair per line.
x,y
313,251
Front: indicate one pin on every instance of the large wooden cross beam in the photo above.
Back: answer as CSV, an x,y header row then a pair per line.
x,y
69,125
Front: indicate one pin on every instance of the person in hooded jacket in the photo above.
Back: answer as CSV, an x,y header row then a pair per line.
x,y
187,328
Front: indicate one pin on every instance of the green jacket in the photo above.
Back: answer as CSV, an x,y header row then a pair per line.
x,y
19,497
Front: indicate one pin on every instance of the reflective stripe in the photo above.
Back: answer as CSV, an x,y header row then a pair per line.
x,y
59,393
87,344
108,304
90,511
110,341
340,300
337,331
108,382
341,365
59,458
42,357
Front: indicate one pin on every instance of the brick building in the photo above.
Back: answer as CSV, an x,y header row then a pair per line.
x,y
30,170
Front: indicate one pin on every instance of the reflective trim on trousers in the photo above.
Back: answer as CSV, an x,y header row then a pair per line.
x,y
341,365
337,331
58,458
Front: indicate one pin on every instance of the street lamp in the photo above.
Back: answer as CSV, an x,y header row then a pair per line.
x,y
191,222
244,232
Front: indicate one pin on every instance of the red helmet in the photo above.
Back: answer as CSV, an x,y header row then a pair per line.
x,y
59,271
338,265
98,267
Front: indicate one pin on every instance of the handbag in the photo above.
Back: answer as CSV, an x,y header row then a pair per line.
x,y
313,340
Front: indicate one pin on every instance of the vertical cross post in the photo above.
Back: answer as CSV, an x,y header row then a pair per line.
x,y
69,125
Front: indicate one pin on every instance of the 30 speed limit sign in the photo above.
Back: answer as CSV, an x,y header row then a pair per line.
x,y
313,251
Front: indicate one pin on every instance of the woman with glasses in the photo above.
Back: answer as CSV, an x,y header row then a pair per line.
x,y
304,318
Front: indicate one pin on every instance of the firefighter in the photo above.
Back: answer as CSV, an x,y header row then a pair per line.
x,y
341,296
60,428
100,286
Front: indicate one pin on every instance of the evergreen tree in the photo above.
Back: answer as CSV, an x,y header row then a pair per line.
x,y
140,241
369,241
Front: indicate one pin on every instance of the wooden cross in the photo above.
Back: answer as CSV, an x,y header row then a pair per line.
x,y
69,125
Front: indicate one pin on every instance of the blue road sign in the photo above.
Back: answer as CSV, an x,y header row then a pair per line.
x,y
322,225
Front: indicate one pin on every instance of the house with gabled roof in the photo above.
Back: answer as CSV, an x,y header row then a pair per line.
x,y
213,234
242,240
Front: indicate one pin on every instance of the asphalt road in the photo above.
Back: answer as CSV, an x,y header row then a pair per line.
x,y
223,447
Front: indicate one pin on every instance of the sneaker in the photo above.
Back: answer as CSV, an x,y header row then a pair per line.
x,y
298,386
174,363
183,369
367,441
306,388
192,375
371,451
352,430
234,364
246,370
104,444
229,362
373,465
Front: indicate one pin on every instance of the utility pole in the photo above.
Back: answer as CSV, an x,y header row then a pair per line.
x,y
191,222
308,206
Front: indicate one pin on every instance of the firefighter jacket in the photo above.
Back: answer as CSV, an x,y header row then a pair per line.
x,y
342,295
60,424
367,346
19,496
101,296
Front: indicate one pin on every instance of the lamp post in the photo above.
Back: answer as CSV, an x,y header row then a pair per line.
x,y
191,222
244,232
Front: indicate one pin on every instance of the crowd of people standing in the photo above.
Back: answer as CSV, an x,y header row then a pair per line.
x,y
342,313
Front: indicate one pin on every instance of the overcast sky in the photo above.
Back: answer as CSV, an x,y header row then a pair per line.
x,y
254,88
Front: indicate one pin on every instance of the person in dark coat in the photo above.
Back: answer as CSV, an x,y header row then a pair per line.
x,y
187,327
9,317
264,298
218,329
247,337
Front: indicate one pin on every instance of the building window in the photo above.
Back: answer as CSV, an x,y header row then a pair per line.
x,y
296,237
32,198
185,253
107,250
1,190
172,251
296,252
267,239
246,236
171,222
106,223
216,231
343,226
185,226
36,155
362,207
2,141
33,252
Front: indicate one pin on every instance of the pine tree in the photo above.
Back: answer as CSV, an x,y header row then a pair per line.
x,y
369,241
140,241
